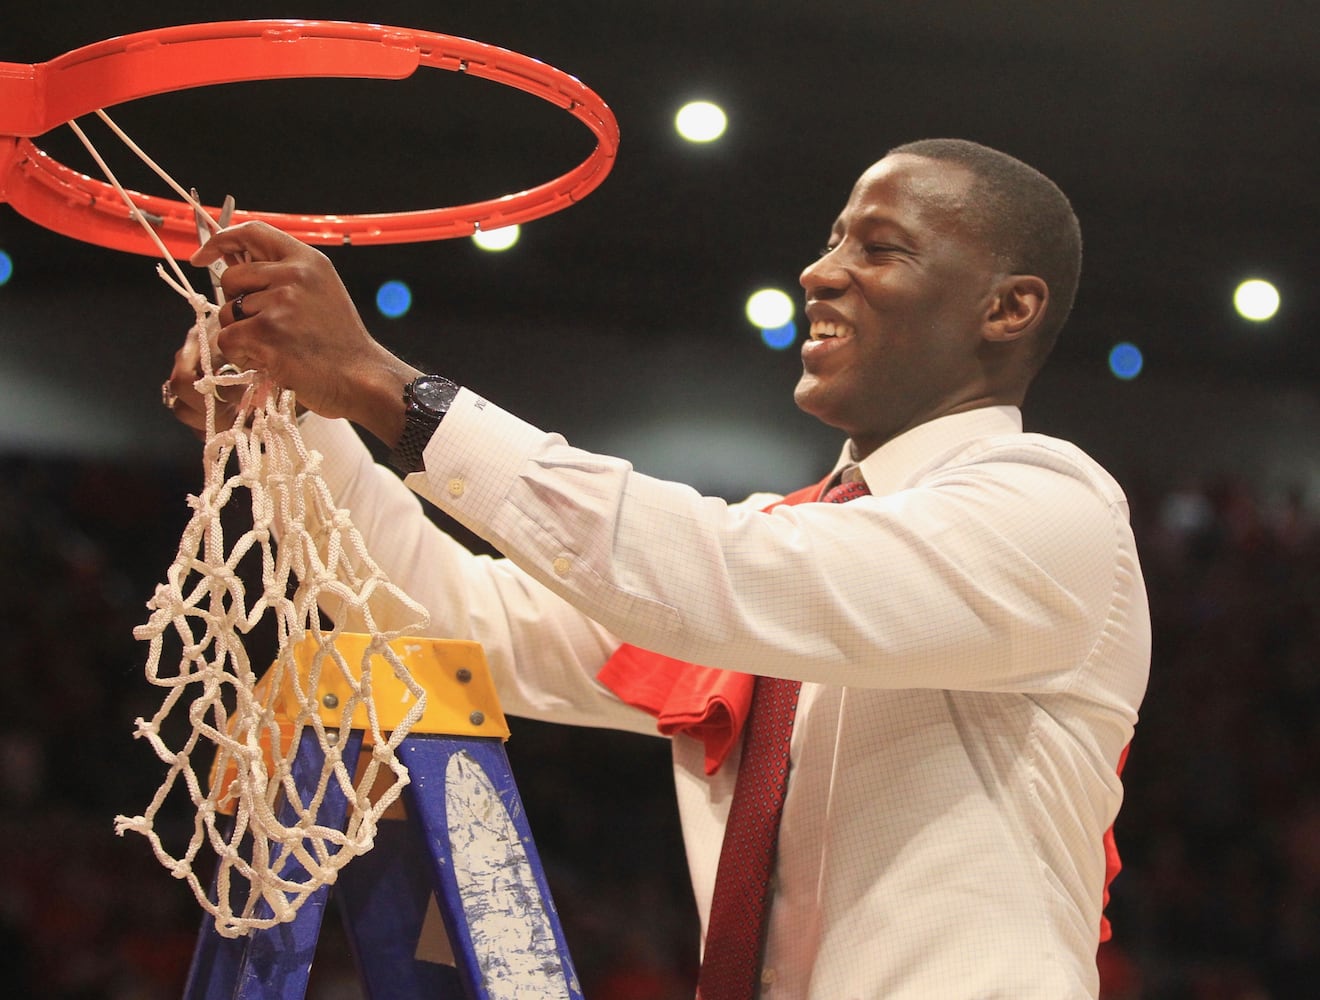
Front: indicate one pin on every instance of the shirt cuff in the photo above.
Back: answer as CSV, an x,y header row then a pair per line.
x,y
474,457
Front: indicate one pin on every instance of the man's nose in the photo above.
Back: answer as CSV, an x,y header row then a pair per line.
x,y
824,275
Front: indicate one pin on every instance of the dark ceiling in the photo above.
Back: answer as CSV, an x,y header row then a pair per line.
x,y
1185,132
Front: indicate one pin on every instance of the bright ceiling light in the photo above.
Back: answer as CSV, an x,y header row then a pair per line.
x,y
1256,300
700,121
769,308
496,239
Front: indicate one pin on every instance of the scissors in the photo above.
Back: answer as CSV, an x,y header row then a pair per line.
x,y
217,267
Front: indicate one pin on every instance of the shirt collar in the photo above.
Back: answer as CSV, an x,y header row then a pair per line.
x,y
892,466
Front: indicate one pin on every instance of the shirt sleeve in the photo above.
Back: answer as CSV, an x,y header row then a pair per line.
x,y
543,654
999,570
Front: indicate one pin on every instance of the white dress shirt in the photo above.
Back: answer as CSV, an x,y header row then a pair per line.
x,y
974,641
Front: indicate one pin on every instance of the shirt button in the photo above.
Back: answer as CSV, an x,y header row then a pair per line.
x,y
561,566
768,976
456,487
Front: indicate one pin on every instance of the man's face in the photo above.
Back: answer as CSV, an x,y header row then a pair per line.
x,y
896,304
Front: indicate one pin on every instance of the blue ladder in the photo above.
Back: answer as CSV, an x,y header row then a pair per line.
x,y
463,853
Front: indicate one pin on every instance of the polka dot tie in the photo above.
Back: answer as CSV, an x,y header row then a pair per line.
x,y
730,969
845,492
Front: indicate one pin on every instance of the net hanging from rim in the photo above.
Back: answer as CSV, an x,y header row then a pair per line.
x,y
271,854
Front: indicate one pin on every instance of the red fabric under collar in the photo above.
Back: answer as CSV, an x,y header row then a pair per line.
x,y
703,702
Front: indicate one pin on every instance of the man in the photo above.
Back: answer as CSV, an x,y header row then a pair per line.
x,y
972,637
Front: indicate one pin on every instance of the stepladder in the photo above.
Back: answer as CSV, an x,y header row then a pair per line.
x,y
451,902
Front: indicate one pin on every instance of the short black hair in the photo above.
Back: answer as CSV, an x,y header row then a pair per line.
x,y
1023,218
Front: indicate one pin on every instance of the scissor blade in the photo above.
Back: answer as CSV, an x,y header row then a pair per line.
x,y
216,268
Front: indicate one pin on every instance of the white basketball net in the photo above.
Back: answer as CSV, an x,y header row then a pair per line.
x,y
271,852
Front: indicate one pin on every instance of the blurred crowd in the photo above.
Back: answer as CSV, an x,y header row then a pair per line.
x,y
1219,897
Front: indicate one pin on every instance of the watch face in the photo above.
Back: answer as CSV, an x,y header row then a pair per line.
x,y
434,394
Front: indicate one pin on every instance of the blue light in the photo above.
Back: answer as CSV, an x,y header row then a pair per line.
x,y
780,337
1125,361
393,299
6,267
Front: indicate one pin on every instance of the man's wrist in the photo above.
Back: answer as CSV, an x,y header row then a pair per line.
x,y
426,399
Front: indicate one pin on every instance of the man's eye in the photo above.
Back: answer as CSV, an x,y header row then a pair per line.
x,y
828,249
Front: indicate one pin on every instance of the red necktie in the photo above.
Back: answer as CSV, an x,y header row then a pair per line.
x,y
730,968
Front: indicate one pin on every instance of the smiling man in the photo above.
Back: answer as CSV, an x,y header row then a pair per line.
x,y
913,704
927,301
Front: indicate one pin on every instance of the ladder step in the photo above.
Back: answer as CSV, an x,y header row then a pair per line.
x,y
383,897
490,884
466,845
274,964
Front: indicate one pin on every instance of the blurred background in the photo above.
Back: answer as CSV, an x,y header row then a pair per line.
x,y
1185,133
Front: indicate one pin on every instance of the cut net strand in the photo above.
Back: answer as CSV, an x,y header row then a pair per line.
x,y
236,759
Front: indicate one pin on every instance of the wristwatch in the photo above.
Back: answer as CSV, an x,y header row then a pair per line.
x,y
426,400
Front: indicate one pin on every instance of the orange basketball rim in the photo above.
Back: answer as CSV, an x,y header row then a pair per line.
x,y
35,98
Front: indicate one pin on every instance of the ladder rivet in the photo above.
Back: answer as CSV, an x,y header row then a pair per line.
x,y
476,718
332,737
464,675
330,701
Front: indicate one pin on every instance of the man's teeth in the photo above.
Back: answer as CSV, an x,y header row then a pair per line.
x,y
825,330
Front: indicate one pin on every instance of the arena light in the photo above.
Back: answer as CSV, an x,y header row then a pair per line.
x,y
393,299
1126,361
700,121
1256,300
769,308
496,240
780,338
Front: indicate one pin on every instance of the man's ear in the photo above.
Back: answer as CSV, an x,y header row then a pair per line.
x,y
1017,308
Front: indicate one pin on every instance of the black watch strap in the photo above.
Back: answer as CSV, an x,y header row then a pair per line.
x,y
426,400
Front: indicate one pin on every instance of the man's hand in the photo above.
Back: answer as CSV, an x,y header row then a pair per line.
x,y
300,328
189,406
